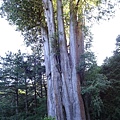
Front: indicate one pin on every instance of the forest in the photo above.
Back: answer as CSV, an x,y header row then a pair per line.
x,y
60,78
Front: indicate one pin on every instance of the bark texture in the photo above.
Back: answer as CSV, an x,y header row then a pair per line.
x,y
63,82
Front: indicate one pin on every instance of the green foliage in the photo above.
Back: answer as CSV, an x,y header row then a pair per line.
x,y
48,118
28,17
117,51
96,84
22,87
23,13
93,85
111,97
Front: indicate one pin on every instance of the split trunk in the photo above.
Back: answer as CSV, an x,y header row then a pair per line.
x,y
63,82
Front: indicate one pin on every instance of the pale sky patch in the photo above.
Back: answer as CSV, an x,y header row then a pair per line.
x,y
104,38
10,40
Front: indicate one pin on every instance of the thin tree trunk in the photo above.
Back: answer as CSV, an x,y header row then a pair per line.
x,y
85,97
26,97
34,86
41,89
44,84
16,99
16,102
35,95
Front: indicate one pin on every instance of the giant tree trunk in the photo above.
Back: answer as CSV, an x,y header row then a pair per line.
x,y
76,50
51,62
63,82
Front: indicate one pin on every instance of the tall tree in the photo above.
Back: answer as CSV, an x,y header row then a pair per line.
x,y
59,24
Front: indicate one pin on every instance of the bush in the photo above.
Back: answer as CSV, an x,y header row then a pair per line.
x,y
49,118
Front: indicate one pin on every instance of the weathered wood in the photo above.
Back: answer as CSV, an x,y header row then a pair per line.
x,y
65,66
64,94
50,99
54,84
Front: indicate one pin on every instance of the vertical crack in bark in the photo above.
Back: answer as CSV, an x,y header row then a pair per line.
x,y
63,80
64,112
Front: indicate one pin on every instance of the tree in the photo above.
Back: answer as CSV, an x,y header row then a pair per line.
x,y
111,97
23,87
58,25
94,83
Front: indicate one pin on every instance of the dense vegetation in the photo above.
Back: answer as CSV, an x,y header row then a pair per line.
x,y
111,97
23,87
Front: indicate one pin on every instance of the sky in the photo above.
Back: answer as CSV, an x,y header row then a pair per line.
x,y
10,39
104,38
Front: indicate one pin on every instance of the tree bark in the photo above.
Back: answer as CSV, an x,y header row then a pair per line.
x,y
75,52
16,98
67,88
54,84
63,82
16,102
26,97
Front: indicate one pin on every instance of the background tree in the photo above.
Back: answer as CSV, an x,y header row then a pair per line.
x,y
93,84
23,87
111,97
